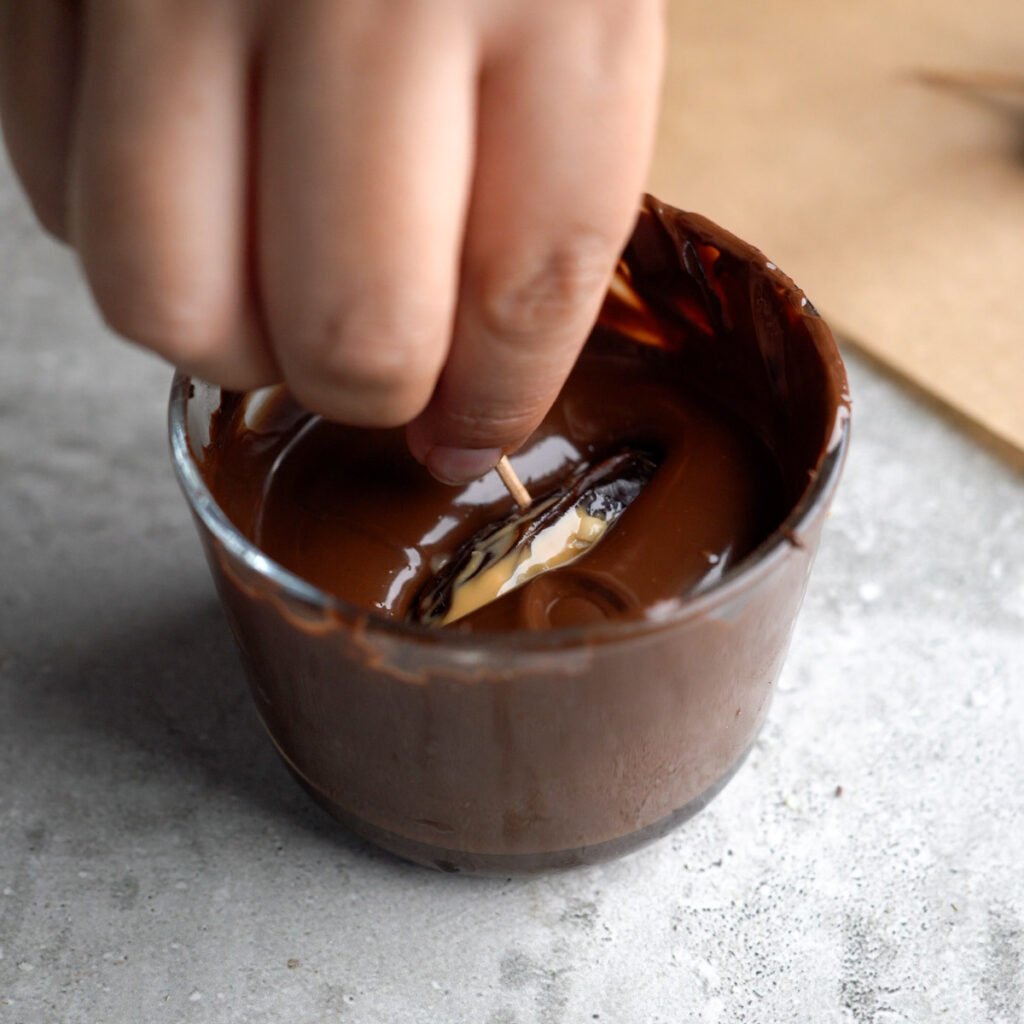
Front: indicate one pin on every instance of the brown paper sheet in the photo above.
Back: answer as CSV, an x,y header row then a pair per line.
x,y
895,202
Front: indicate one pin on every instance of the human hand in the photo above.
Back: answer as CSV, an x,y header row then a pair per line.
x,y
409,210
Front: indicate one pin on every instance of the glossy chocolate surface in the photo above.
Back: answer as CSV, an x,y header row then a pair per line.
x,y
352,512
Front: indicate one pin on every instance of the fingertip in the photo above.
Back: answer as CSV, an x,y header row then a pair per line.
x,y
419,440
51,211
454,421
460,465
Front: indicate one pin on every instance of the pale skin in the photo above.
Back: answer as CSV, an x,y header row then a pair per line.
x,y
408,210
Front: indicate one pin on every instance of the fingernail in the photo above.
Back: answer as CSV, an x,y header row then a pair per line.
x,y
460,465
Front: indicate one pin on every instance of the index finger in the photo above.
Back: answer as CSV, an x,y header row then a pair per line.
x,y
566,125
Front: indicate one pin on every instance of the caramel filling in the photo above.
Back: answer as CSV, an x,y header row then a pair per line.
x,y
558,544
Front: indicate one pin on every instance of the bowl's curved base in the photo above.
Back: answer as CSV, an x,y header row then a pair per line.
x,y
468,862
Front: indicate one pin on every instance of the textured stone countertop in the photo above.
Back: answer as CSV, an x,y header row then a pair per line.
x,y
158,864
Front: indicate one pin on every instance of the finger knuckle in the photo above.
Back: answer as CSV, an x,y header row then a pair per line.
x,y
495,425
530,302
370,366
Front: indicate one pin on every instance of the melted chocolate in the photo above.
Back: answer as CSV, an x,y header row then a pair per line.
x,y
350,511
502,742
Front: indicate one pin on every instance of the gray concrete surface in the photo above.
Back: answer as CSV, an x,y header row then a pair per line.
x,y
157,864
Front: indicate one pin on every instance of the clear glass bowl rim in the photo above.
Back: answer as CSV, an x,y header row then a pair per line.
x,y
744,574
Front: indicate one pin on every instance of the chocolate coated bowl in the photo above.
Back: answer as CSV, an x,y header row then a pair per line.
x,y
522,751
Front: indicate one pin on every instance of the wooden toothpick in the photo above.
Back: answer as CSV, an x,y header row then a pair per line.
x,y
512,482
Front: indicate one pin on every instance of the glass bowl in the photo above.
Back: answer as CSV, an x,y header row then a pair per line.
x,y
527,751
